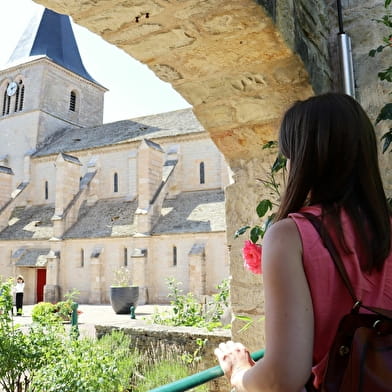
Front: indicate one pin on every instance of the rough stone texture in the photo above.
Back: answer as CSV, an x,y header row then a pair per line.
x,y
157,339
366,34
240,71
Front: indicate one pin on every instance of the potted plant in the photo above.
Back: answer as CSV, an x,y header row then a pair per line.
x,y
122,294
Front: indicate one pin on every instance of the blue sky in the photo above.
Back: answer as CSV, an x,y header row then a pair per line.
x,y
134,89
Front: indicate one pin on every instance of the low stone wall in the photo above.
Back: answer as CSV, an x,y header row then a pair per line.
x,y
156,338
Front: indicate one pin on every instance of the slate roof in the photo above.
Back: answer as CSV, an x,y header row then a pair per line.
x,y
175,123
189,212
32,258
29,223
106,218
50,34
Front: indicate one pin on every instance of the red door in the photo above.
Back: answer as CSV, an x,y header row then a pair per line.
x,y
41,281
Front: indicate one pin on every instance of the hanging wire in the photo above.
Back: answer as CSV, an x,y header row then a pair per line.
x,y
340,16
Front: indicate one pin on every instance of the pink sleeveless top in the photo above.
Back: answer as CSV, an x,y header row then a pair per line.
x,y
331,300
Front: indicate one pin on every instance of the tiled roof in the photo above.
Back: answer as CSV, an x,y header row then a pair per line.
x,y
29,222
179,122
201,211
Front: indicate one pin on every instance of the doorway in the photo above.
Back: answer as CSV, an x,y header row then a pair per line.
x,y
41,281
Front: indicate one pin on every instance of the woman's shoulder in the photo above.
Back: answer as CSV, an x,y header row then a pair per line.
x,y
285,232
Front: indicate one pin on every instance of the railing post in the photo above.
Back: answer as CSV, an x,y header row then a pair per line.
x,y
74,321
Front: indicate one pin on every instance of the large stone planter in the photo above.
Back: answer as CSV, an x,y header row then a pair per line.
x,y
122,298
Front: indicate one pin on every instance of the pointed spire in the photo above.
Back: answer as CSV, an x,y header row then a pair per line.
x,y
50,34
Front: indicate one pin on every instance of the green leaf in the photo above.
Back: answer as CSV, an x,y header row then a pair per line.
x,y
270,144
241,231
243,318
386,74
372,53
385,113
267,223
263,207
387,3
387,140
256,233
280,163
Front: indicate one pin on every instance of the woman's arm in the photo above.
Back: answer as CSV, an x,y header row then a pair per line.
x,y
287,363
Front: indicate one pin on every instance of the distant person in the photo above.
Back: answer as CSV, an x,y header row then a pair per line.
x,y
19,289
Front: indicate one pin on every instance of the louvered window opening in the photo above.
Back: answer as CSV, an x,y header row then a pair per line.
x,y
72,102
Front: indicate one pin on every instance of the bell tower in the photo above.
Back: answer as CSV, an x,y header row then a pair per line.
x,y
44,89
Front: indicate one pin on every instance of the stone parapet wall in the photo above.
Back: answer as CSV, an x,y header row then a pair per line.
x,y
153,338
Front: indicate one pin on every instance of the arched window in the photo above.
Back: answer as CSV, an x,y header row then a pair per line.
x,y
201,173
125,257
115,182
82,258
72,101
46,190
174,256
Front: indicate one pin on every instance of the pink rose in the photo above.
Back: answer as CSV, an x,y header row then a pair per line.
x,y
252,257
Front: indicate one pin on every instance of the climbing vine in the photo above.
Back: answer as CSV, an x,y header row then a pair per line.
x,y
386,74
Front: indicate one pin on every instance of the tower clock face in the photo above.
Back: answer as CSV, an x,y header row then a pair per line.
x,y
11,89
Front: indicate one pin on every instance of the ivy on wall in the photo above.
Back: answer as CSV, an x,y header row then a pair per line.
x,y
386,74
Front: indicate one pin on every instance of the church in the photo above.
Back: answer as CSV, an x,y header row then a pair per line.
x,y
80,199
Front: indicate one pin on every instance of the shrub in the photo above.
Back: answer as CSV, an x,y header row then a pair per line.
x,y
44,312
89,366
187,311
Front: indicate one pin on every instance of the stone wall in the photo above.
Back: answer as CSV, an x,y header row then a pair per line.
x,y
157,338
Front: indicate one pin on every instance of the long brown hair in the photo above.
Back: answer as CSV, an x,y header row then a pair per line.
x,y
332,148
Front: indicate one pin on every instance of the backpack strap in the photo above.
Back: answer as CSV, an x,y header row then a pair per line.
x,y
329,245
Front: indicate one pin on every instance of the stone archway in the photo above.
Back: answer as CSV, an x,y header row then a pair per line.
x,y
228,60
239,63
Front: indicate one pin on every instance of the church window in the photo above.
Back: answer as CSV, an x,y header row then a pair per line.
x,y
72,101
115,182
5,98
46,190
82,258
174,256
6,103
17,99
202,173
125,257
21,96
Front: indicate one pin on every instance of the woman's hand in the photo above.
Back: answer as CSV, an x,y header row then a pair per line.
x,y
234,360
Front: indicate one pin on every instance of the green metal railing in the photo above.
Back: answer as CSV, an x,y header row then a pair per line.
x,y
199,378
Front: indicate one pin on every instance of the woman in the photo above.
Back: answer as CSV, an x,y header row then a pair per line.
x,y
19,289
331,149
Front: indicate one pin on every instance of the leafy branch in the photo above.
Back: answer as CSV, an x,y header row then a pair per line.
x,y
273,183
385,75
